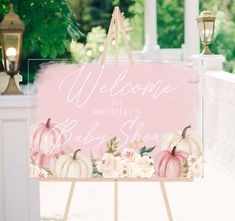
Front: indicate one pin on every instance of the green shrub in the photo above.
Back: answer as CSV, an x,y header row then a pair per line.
x,y
49,29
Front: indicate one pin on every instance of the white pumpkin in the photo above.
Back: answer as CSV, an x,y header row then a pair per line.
x,y
185,141
74,166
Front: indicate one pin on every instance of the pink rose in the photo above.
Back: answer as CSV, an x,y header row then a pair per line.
x,y
129,154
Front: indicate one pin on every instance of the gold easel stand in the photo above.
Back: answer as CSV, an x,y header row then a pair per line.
x,y
116,24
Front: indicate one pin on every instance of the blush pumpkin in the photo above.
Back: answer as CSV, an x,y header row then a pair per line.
x,y
47,145
169,163
48,138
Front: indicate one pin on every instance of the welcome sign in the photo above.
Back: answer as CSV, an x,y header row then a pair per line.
x,y
108,121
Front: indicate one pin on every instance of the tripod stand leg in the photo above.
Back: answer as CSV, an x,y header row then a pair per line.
x,y
66,213
166,201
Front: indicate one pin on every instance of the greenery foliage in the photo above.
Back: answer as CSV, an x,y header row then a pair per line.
x,y
92,49
93,13
49,28
170,23
76,28
137,25
170,26
223,42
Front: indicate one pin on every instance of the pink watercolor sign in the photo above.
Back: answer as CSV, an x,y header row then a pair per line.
x,y
138,121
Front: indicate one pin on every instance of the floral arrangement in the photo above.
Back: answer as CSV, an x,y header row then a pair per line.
x,y
130,162
182,157
192,167
36,171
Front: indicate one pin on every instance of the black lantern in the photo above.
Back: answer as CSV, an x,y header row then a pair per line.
x,y
11,33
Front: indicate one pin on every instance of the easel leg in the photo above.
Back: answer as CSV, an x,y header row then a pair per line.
x,y
115,200
166,201
66,213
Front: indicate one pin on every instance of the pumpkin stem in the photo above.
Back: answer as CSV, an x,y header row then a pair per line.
x,y
173,151
184,131
48,123
75,154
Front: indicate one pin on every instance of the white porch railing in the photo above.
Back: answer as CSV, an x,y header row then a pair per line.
x,y
220,119
219,112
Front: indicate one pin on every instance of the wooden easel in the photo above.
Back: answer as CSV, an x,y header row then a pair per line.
x,y
161,181
117,24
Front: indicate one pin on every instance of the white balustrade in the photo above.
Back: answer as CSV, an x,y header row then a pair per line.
x,y
219,111
19,195
220,119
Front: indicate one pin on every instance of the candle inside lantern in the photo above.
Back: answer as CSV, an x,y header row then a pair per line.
x,y
11,55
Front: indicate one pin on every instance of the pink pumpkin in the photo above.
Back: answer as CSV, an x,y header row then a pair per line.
x,y
44,161
48,139
169,163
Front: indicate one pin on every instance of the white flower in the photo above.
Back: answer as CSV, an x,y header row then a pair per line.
x,y
143,167
125,168
108,165
34,170
129,154
43,173
195,166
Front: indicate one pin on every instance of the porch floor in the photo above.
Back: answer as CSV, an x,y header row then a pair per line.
x,y
209,199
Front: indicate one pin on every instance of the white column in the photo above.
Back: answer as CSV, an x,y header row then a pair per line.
x,y
19,194
151,48
204,63
191,44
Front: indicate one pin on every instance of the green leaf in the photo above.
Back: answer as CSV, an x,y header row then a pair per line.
x,y
44,51
112,146
185,168
53,52
145,150
60,48
150,149
142,150
97,175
